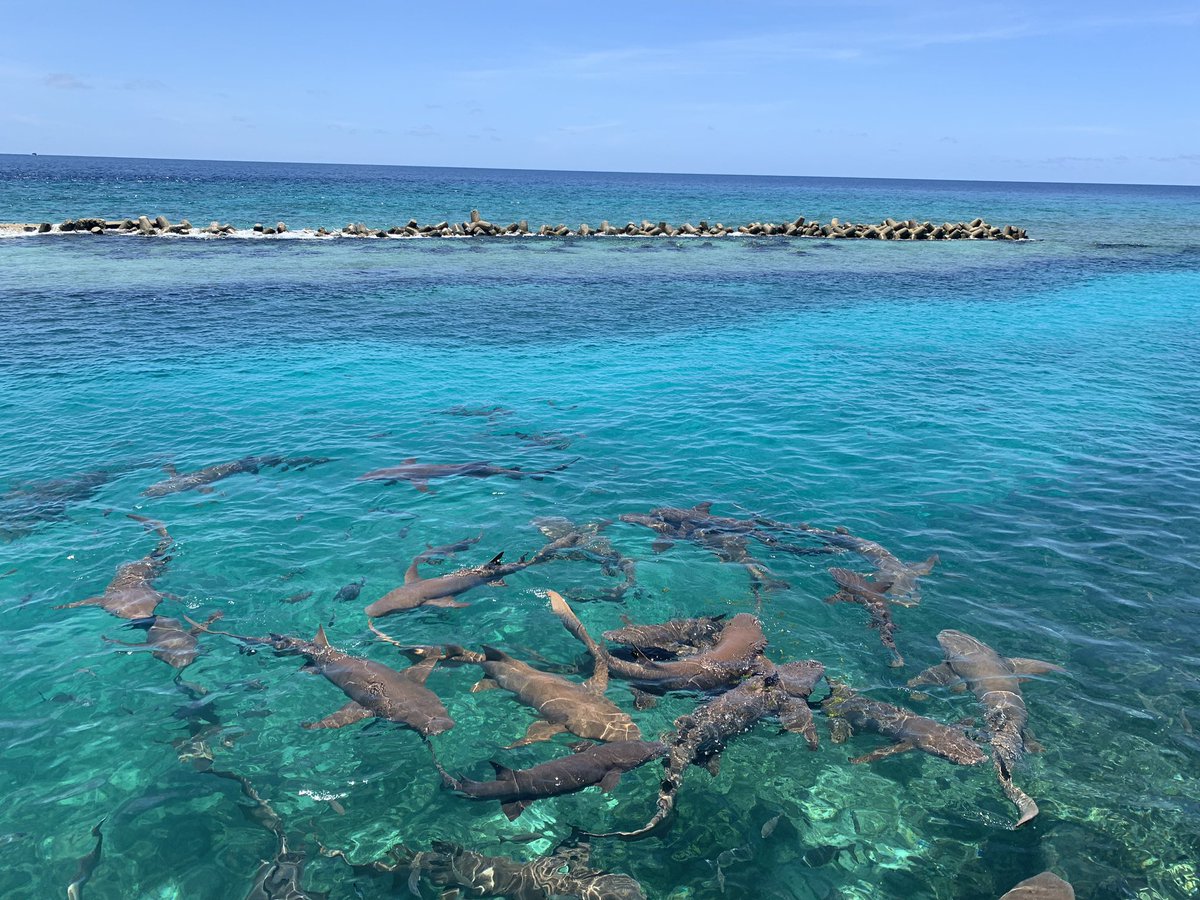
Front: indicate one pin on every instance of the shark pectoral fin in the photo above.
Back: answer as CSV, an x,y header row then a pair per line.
x,y
642,700
422,486
939,674
610,781
662,544
205,489
499,582
420,672
90,601
484,684
884,752
515,808
170,469
713,765
1023,666
309,667
926,567
798,719
349,714
958,687
412,573
538,731
446,602
109,640
1032,744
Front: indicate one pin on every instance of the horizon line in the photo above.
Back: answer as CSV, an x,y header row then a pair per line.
x,y
277,162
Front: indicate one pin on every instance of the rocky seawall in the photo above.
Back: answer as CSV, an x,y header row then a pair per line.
x,y
887,230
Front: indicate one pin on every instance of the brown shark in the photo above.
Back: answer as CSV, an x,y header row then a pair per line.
x,y
441,590
726,537
855,588
278,878
677,637
902,577
849,711
86,866
562,873
1046,886
602,764
995,681
701,736
373,688
591,545
420,474
131,595
201,478
167,639
736,654
562,705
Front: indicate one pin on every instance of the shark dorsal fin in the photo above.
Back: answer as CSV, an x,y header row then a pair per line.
x,y
496,560
413,573
493,655
503,773
170,469
705,507
320,640
409,461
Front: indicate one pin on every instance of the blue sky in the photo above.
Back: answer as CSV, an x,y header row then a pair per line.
x,y
1041,91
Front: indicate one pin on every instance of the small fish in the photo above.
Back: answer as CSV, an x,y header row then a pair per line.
x,y
1183,720
525,837
336,806
9,572
720,879
770,825
349,592
298,598
358,891
12,837
737,854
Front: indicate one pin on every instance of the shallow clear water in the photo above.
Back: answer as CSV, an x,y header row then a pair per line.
x,y
1030,412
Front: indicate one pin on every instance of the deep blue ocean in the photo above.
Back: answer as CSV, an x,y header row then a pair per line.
x,y
1028,411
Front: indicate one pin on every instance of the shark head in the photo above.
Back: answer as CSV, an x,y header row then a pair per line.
x,y
957,644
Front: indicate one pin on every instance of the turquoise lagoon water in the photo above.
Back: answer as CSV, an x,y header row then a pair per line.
x,y
1030,412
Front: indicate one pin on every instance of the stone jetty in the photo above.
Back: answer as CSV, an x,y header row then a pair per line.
x,y
887,230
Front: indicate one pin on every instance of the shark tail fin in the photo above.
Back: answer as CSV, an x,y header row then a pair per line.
x,y
562,609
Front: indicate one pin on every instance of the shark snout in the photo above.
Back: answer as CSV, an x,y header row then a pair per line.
x,y
438,725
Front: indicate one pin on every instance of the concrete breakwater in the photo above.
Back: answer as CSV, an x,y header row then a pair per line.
x,y
477,226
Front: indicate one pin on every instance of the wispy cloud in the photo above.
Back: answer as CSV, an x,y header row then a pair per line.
x,y
588,129
143,84
64,81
